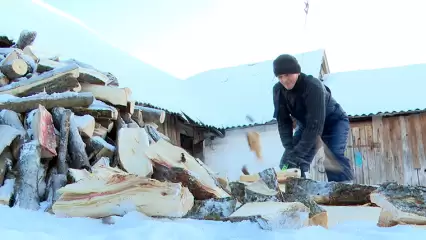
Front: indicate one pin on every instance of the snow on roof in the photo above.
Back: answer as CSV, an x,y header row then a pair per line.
x,y
384,90
58,34
226,96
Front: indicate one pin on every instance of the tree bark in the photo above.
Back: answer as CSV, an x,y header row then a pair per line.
x,y
61,119
151,114
49,101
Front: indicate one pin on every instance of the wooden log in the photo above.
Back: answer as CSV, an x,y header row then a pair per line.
x,y
42,130
9,134
61,120
152,114
108,196
45,65
26,38
30,170
97,148
7,187
400,204
14,69
212,209
131,146
127,118
6,160
332,193
98,110
281,175
3,80
28,50
60,80
11,118
92,76
174,164
49,101
85,125
273,215
55,182
76,148
100,131
113,95
138,118
238,190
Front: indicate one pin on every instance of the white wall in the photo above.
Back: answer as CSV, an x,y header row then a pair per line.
x,y
227,155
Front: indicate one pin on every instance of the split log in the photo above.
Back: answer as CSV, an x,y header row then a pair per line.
x,y
40,128
30,173
119,124
3,80
212,209
14,69
45,65
85,125
9,134
137,117
49,101
260,192
153,133
97,148
174,164
400,204
113,95
273,215
281,175
6,161
11,118
7,189
121,193
76,148
131,146
100,131
238,190
60,80
98,110
55,182
92,76
333,193
61,120
127,118
106,123
26,38
151,114
28,50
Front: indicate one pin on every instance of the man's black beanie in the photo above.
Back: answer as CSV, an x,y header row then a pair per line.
x,y
286,64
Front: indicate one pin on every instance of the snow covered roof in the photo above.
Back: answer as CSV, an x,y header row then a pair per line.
x,y
57,34
226,96
380,91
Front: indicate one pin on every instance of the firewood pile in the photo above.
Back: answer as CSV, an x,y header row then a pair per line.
x,y
74,144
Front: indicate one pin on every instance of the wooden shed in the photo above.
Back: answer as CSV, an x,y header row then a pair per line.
x,y
388,124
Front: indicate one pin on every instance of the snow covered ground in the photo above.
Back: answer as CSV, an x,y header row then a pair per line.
x,y
20,224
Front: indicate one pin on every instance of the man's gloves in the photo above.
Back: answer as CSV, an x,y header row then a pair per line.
x,y
292,160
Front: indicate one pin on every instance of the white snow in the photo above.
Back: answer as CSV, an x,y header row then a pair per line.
x,y
366,92
22,224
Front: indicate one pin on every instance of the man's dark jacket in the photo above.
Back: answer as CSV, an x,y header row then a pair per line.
x,y
311,104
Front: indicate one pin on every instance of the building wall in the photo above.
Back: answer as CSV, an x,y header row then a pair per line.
x,y
389,149
381,149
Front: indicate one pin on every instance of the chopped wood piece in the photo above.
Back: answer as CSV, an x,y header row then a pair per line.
x,y
121,193
7,191
76,147
152,114
55,182
169,166
281,175
98,110
238,190
100,131
212,209
14,69
260,192
41,129
60,80
30,172
132,143
61,120
113,95
92,76
49,101
97,148
137,117
28,50
6,160
3,80
11,118
8,135
127,118
26,38
45,65
400,204
85,125
333,193
273,215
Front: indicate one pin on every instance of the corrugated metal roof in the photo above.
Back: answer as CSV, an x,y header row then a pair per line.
x,y
224,97
385,91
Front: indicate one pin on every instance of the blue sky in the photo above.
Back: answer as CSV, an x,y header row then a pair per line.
x,y
188,36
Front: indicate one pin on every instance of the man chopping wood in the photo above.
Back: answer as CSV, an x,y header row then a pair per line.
x,y
318,116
